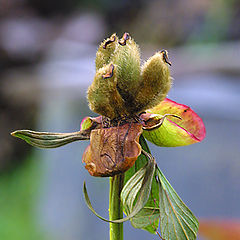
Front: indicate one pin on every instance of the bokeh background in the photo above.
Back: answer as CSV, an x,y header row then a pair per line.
x,y
47,51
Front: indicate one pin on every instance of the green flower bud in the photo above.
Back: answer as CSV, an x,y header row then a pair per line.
x,y
103,96
127,60
155,82
120,86
105,51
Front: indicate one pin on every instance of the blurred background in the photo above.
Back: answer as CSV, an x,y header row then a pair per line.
x,y
47,51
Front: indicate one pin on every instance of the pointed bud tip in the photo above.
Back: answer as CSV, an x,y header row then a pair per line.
x,y
165,57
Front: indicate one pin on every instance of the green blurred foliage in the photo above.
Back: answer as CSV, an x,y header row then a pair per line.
x,y
18,195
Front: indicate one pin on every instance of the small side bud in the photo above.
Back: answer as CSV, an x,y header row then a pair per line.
x,y
127,59
155,81
103,96
105,51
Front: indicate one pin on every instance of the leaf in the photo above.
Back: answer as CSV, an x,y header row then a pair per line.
x,y
50,140
129,192
146,219
176,132
176,220
138,188
141,161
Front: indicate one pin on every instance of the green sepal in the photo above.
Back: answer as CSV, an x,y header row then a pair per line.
x,y
169,134
187,129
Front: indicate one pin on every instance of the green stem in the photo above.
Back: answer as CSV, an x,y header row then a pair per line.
x,y
115,207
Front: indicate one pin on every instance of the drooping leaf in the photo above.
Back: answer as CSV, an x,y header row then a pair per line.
x,y
50,140
139,184
173,132
88,202
148,217
177,222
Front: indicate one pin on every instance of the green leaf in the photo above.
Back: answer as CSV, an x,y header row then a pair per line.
x,y
87,200
177,222
138,188
140,162
147,218
135,193
139,184
50,140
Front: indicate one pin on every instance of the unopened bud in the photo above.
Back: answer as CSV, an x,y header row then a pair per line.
x,y
155,82
127,60
103,96
105,51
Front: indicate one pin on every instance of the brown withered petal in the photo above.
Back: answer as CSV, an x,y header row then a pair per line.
x,y
112,150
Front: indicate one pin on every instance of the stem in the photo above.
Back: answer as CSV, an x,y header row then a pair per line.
x,y
115,207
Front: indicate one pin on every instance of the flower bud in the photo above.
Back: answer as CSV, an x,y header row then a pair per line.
x,y
155,82
105,51
127,60
103,96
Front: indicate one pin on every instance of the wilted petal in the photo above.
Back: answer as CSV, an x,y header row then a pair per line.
x,y
113,150
174,131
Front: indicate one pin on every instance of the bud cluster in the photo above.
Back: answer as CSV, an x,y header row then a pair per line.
x,y
121,86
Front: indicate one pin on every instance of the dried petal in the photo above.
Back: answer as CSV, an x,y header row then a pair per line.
x,y
113,150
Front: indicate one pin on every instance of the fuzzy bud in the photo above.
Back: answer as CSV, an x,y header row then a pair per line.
x,y
127,60
105,51
103,96
155,82
120,87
